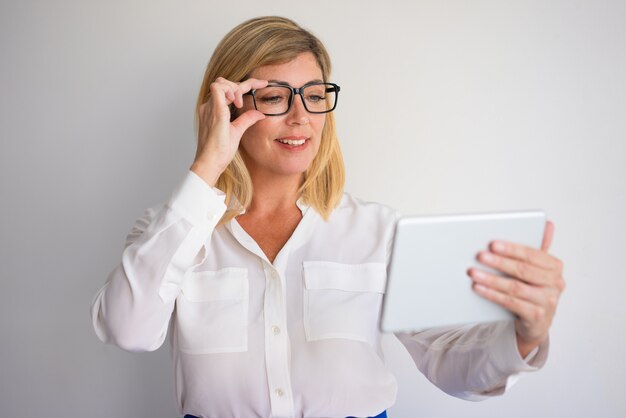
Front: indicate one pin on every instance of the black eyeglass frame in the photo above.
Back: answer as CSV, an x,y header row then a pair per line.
x,y
333,88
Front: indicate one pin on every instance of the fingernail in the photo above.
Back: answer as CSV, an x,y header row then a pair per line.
x,y
486,257
499,246
477,274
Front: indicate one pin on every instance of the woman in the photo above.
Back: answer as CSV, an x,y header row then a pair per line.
x,y
269,279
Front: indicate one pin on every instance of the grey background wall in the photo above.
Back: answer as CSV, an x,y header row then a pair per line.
x,y
446,107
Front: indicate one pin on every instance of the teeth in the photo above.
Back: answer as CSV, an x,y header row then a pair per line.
x,y
292,141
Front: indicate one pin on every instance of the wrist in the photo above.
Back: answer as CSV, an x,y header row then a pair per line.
x,y
206,172
525,347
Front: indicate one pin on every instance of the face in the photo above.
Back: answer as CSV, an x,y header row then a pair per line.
x,y
284,145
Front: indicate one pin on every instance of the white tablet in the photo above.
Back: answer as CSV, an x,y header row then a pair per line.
x,y
427,283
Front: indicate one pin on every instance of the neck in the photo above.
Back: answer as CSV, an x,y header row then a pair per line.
x,y
274,194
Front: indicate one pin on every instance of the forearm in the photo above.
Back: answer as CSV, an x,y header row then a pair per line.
x,y
470,362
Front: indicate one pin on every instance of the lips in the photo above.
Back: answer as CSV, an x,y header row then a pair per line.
x,y
292,140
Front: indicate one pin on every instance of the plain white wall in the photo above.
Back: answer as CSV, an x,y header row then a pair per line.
x,y
445,107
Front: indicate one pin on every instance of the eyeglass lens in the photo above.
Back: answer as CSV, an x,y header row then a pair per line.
x,y
274,100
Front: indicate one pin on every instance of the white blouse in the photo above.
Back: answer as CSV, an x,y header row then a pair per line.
x,y
296,338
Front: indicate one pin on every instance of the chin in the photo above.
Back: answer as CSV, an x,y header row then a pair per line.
x,y
291,172
294,167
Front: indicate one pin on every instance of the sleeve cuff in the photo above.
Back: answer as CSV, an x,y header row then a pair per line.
x,y
507,356
197,202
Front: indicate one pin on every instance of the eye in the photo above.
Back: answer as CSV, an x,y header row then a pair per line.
x,y
315,94
272,99
272,95
315,98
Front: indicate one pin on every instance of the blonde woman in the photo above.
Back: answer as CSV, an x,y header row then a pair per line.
x,y
269,279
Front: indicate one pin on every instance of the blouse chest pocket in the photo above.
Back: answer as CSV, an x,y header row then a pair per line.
x,y
212,312
343,300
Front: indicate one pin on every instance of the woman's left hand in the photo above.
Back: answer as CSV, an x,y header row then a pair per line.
x,y
531,289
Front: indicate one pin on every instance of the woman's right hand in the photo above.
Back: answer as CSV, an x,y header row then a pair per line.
x,y
218,137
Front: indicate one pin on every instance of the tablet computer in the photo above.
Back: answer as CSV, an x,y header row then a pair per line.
x,y
427,283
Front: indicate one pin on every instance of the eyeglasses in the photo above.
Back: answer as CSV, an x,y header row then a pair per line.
x,y
276,99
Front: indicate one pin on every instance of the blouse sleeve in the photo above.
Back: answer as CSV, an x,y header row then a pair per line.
x,y
133,308
472,362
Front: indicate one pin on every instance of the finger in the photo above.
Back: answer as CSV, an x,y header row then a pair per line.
x,y
218,93
227,87
547,236
246,120
523,253
245,86
234,91
252,83
221,97
521,290
223,81
516,268
525,310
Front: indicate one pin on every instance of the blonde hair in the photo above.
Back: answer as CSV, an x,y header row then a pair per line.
x,y
264,41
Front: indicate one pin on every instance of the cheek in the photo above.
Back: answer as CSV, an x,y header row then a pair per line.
x,y
263,129
319,126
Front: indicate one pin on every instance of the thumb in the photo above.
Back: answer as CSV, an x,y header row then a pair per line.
x,y
547,236
246,120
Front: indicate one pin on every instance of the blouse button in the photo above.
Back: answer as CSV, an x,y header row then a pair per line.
x,y
275,330
279,393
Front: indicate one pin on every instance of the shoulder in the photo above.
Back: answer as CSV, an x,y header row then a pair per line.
x,y
353,206
365,228
353,212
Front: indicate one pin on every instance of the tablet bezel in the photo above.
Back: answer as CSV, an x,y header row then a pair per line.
x,y
406,309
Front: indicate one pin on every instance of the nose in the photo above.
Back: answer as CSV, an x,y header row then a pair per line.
x,y
298,114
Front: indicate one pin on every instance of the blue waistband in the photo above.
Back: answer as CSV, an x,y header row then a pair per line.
x,y
381,415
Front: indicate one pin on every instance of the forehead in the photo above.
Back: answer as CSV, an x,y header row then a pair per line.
x,y
299,71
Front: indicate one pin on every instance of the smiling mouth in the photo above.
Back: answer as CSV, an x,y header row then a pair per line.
x,y
293,142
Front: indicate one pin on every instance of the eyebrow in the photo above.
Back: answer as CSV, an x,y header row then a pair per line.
x,y
284,83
